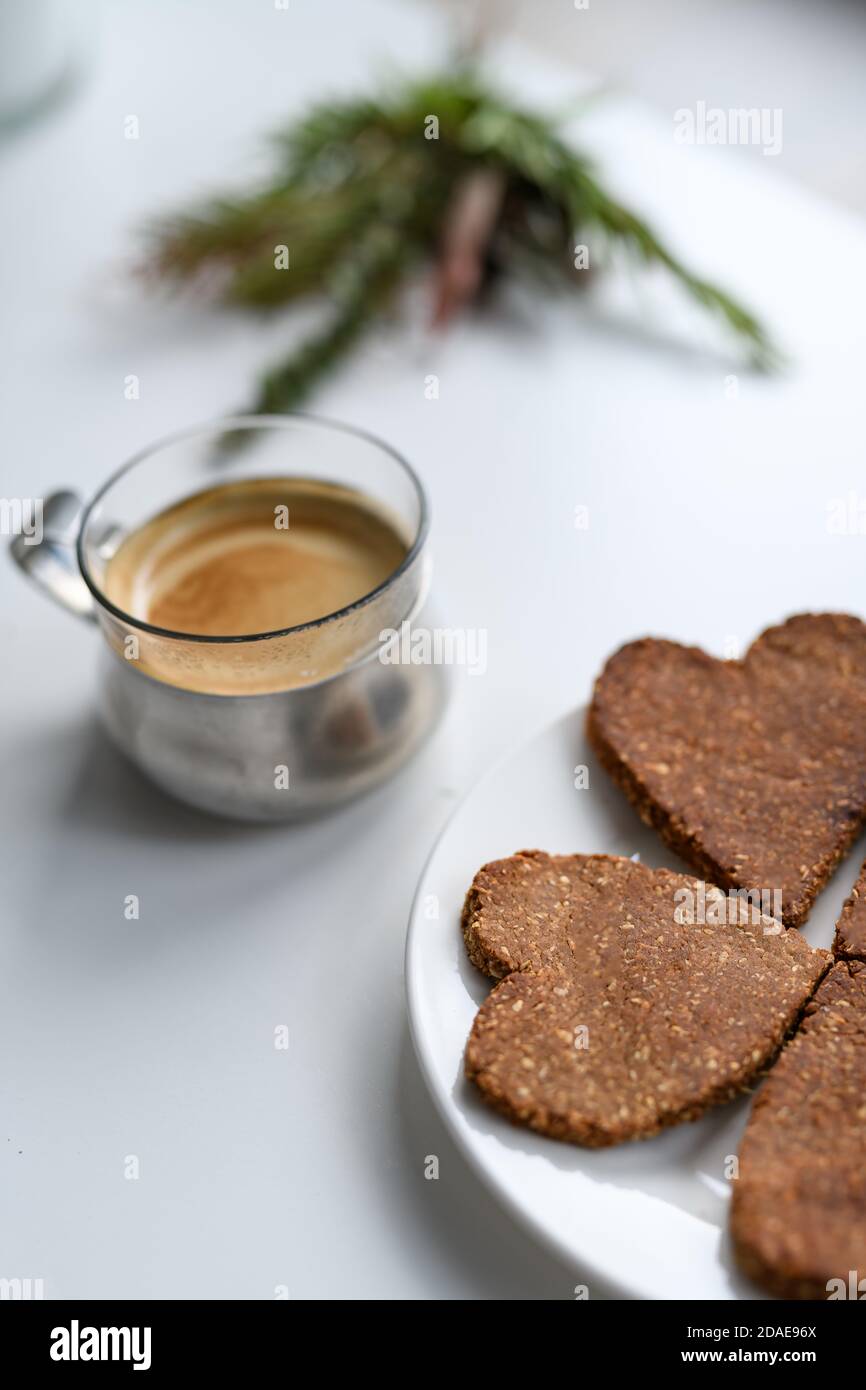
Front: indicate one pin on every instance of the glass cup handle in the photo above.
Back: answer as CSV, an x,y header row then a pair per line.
x,y
47,554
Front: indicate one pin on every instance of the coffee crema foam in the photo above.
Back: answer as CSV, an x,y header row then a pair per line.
x,y
254,556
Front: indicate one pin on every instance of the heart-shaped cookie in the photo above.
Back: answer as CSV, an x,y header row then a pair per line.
x,y
798,1217
849,942
630,999
753,771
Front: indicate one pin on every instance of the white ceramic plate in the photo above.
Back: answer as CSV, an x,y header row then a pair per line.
x,y
646,1219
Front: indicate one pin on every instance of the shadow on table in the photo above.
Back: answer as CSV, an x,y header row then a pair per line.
x,y
92,831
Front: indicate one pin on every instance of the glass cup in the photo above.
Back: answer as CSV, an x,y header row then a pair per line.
x,y
274,725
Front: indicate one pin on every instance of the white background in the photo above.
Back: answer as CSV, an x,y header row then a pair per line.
x,y
708,520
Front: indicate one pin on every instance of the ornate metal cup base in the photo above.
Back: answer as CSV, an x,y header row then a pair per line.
x,y
281,757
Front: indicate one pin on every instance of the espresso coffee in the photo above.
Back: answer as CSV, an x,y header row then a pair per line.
x,y
254,556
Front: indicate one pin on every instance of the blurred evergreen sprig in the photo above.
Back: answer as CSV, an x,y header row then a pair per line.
x,y
361,195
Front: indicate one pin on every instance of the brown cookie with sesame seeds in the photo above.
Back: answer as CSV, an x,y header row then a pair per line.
x,y
849,942
623,1006
798,1217
753,771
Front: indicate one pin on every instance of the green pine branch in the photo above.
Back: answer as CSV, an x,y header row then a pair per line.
x,y
359,195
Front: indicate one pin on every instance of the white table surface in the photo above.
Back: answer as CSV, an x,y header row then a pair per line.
x,y
305,1168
